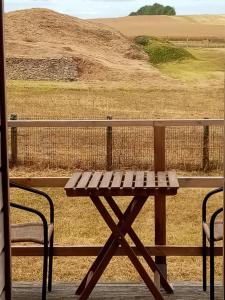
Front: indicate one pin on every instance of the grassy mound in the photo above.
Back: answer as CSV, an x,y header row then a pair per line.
x,y
162,52
207,65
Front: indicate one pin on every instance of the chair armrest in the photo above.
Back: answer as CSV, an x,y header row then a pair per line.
x,y
38,192
205,200
212,220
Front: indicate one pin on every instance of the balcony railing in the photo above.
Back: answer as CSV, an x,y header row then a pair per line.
x,y
160,163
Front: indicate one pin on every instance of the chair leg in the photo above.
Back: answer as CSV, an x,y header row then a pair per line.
x,y
204,261
45,271
50,263
212,269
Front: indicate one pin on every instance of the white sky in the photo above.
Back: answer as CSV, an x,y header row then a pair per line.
x,y
116,8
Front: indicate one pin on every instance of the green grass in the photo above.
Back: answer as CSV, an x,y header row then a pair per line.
x,y
192,64
162,51
208,65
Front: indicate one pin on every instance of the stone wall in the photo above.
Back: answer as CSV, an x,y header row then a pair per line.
x,y
21,68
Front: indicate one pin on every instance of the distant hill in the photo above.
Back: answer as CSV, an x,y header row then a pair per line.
x,y
173,26
205,19
36,38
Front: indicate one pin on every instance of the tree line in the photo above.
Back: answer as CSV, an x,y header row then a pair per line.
x,y
155,9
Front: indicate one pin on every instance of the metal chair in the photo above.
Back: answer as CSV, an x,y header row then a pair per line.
x,y
40,233
213,231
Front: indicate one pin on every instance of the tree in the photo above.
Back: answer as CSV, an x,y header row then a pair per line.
x,y
155,9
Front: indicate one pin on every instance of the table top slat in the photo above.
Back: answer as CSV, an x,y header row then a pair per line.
x,y
73,180
173,181
150,179
128,179
95,180
139,180
122,183
106,180
117,180
162,182
82,183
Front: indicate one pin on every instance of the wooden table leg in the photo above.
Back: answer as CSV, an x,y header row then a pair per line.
x,y
160,232
140,246
95,264
133,210
160,200
99,258
119,233
89,285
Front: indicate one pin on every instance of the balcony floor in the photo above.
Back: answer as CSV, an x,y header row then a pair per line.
x,y
118,291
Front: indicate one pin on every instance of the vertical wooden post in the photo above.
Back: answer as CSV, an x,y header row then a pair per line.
x,y
13,141
5,252
224,195
205,154
187,40
109,145
160,200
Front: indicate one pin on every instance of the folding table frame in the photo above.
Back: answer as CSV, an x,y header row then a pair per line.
x,y
138,184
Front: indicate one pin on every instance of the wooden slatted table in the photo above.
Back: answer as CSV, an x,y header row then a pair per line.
x,y
138,184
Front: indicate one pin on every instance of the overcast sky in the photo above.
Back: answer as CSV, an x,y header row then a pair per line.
x,y
116,8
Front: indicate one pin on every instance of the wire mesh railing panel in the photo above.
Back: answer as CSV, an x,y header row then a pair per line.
x,y
216,147
187,148
132,147
62,147
184,147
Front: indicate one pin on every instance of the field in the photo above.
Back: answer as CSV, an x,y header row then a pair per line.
x,y
116,79
66,148
156,96
169,26
208,65
97,100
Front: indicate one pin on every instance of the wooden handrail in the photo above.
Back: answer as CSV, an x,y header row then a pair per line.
x,y
185,182
114,123
92,250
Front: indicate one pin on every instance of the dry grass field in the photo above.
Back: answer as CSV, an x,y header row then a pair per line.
x,y
116,80
124,99
97,99
86,148
168,26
